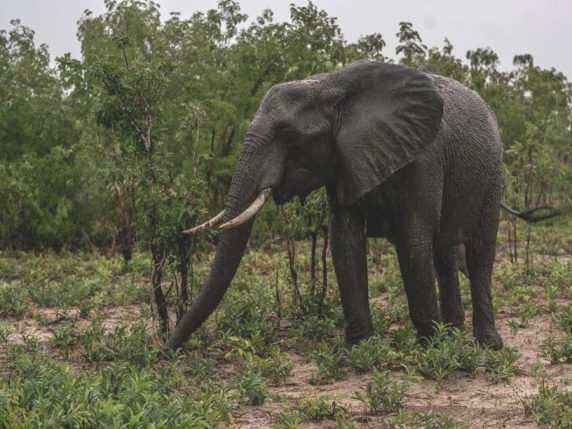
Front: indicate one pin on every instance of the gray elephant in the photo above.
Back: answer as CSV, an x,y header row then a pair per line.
x,y
531,216
404,154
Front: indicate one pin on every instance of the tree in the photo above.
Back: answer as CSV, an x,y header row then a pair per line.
x,y
531,174
368,47
44,203
410,45
164,202
308,218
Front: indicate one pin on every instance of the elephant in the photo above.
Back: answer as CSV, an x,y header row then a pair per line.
x,y
404,154
530,216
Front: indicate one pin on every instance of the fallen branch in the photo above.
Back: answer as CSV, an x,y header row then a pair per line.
x,y
57,320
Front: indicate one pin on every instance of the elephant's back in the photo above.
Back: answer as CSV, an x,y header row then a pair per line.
x,y
469,117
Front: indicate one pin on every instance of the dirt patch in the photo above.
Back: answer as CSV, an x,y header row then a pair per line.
x,y
46,320
472,400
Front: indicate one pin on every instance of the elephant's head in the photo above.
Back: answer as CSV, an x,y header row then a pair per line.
x,y
351,129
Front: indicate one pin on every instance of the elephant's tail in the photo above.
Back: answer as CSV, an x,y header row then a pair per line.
x,y
532,216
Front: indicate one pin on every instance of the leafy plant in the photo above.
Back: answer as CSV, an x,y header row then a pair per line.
x,y
320,408
13,300
252,386
330,365
369,354
384,394
287,420
556,349
551,406
65,339
275,368
501,365
424,420
565,319
438,359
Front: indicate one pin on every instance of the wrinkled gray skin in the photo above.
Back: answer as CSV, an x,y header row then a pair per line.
x,y
406,155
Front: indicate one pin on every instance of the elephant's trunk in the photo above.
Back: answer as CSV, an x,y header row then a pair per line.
x,y
229,253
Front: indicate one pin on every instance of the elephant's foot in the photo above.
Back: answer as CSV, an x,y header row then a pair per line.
x,y
455,324
489,338
425,331
351,341
342,352
455,320
423,340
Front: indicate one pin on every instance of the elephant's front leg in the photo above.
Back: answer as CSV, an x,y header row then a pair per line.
x,y
415,256
348,245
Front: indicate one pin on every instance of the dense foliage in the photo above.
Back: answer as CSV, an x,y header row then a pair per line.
x,y
68,135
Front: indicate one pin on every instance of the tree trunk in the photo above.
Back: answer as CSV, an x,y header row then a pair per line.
x,y
158,295
124,225
291,246
324,267
314,237
183,298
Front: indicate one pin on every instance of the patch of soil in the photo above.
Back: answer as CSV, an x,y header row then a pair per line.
x,y
472,400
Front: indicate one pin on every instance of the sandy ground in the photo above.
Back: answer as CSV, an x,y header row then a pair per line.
x,y
472,400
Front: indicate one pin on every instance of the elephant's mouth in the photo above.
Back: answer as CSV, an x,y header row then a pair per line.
x,y
299,182
280,196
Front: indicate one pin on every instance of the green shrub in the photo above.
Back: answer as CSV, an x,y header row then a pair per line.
x,y
420,420
557,350
330,364
287,420
45,393
275,368
13,300
386,395
565,319
501,365
369,354
320,408
126,343
551,407
439,358
251,385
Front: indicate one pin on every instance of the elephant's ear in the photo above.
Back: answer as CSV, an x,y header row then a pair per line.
x,y
387,117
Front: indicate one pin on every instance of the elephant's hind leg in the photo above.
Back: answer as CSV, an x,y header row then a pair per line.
x,y
447,268
480,259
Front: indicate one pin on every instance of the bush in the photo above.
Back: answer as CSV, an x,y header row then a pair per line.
x,y
47,393
551,407
384,394
13,300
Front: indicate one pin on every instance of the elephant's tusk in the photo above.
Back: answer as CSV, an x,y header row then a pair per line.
x,y
207,225
249,212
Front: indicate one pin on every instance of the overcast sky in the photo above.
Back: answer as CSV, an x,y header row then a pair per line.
x,y
542,28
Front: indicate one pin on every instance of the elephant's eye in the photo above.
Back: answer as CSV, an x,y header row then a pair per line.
x,y
294,156
289,135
